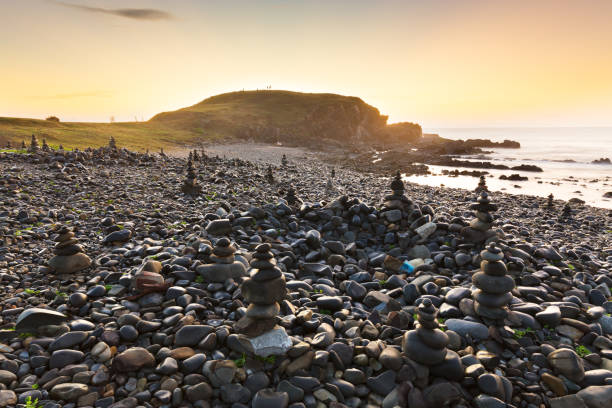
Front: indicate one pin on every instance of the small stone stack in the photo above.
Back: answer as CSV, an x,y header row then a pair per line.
x,y
8,144
190,184
69,256
397,199
161,152
427,344
333,173
33,144
196,156
550,204
224,265
284,161
112,144
269,174
479,230
45,146
291,198
567,210
23,145
482,185
494,286
263,290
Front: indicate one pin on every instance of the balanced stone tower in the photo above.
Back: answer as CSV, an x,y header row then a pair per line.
x,y
45,146
284,161
23,145
33,144
427,344
112,144
190,184
480,230
264,288
269,174
567,210
482,185
397,199
494,287
291,198
69,256
550,204
224,265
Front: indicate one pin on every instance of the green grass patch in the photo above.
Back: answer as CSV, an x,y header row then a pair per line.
x,y
582,351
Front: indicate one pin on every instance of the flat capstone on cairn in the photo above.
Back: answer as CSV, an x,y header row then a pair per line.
x,y
479,231
427,344
264,288
190,184
223,264
494,287
69,255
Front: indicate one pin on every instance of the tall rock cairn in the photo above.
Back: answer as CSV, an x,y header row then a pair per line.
x,y
190,184
264,288
45,146
480,227
269,174
494,286
33,144
112,143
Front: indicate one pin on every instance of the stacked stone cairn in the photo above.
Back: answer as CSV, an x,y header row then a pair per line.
x,y
112,144
482,185
427,344
33,144
69,256
223,264
269,174
396,205
190,184
479,230
550,204
291,198
494,287
45,146
567,210
8,144
264,288
284,161
333,173
196,156
23,145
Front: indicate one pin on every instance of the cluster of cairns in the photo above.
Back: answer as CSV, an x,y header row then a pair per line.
x,y
264,288
190,184
479,230
427,344
69,255
494,287
223,264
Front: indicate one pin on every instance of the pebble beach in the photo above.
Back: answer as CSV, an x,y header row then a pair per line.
x,y
262,276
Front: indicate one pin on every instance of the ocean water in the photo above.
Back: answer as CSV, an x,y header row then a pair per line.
x,y
549,148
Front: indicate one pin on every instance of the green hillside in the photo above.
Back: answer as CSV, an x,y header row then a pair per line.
x,y
307,119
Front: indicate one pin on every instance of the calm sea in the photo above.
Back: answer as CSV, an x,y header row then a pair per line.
x,y
548,148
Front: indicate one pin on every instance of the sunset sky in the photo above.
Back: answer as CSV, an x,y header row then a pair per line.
x,y
441,63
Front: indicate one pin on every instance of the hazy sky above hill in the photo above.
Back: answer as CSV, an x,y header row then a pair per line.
x,y
436,62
